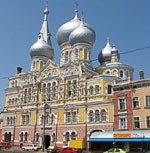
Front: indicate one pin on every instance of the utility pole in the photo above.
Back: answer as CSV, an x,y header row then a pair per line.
x,y
43,138
86,94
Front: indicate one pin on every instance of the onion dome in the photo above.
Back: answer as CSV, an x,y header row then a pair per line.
x,y
41,48
43,45
105,55
82,34
64,31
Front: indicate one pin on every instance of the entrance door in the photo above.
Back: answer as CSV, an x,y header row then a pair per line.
x,y
47,141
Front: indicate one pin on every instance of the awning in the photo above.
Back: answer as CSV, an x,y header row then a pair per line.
x,y
120,140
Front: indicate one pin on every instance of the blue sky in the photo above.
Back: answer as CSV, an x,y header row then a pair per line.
x,y
126,21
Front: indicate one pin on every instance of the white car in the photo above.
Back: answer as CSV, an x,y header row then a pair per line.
x,y
33,147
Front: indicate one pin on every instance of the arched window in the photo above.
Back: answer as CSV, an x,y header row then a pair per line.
x,y
97,116
44,92
69,88
53,137
109,89
26,137
14,120
37,137
7,120
66,57
74,88
91,117
67,138
121,74
25,96
13,101
53,119
73,136
91,90
97,89
11,121
34,64
103,115
76,53
21,136
29,94
49,91
54,90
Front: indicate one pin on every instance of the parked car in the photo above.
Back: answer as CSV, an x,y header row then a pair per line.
x,y
33,147
5,145
52,149
67,150
148,151
115,150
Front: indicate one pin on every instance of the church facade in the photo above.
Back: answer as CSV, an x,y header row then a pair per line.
x,y
55,103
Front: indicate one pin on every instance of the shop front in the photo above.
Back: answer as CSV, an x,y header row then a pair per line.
x,y
128,140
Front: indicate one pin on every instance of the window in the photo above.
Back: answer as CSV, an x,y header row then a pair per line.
x,y
69,88
73,136
68,115
121,74
37,137
25,96
7,120
53,137
91,117
91,90
54,90
97,116
53,119
136,122
74,88
109,89
66,57
122,123
103,115
122,103
25,119
108,72
26,137
147,101
49,91
29,93
74,116
148,121
44,92
67,138
136,102
21,136
76,53
97,89
82,90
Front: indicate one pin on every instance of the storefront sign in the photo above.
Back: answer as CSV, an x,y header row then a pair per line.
x,y
122,135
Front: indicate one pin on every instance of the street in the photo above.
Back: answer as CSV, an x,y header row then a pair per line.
x,y
16,151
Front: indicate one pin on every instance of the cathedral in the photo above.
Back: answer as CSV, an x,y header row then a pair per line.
x,y
55,103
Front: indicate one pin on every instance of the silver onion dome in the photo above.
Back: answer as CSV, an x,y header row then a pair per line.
x,y
82,34
105,55
64,31
41,48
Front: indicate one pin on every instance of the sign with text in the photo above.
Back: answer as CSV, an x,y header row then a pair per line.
x,y
122,135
